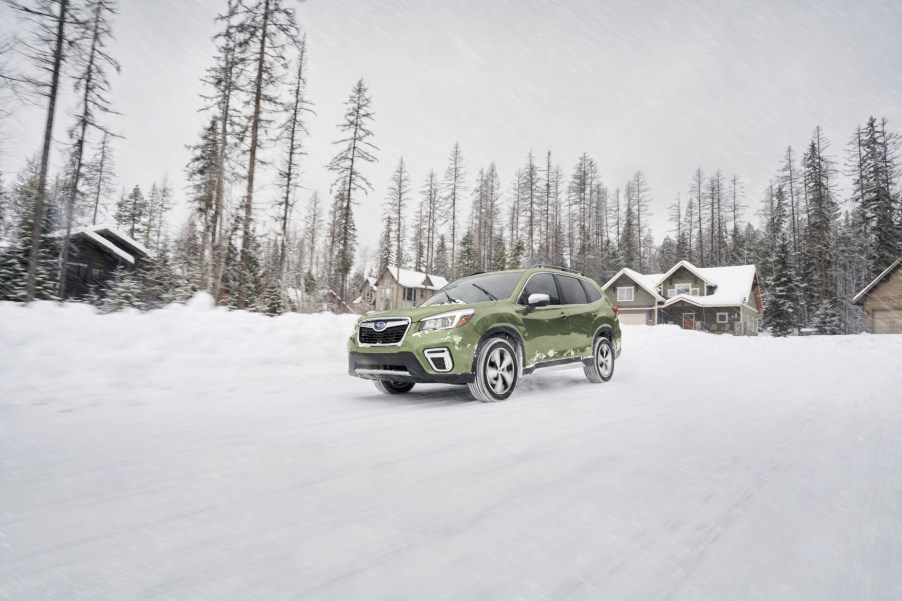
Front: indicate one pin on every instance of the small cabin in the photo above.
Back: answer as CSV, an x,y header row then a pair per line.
x,y
95,253
882,301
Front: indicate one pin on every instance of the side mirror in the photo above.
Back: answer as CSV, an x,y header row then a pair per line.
x,y
537,300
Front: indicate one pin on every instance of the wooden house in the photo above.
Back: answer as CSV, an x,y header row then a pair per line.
x,y
710,299
398,288
95,253
882,301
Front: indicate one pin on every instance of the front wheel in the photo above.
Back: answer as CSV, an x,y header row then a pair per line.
x,y
393,387
497,370
601,367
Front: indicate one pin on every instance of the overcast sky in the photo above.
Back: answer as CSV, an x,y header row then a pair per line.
x,y
664,87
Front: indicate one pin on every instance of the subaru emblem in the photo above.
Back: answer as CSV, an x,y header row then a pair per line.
x,y
379,326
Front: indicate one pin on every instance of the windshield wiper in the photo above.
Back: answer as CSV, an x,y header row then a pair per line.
x,y
487,293
451,299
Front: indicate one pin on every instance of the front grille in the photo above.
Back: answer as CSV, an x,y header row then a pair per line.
x,y
389,336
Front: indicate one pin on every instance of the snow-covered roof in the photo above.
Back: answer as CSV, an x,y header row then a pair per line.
x,y
698,271
116,233
648,282
101,241
859,298
415,279
734,285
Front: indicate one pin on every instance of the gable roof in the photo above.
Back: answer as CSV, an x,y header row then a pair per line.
x,y
415,279
123,247
859,298
106,244
109,231
649,283
697,271
733,287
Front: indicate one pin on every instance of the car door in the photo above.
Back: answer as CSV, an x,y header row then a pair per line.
x,y
580,317
545,330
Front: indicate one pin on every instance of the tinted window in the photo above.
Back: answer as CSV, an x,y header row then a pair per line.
x,y
571,290
477,288
541,283
592,292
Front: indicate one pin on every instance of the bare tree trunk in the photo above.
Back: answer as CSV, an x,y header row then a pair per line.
x,y
38,221
79,153
251,167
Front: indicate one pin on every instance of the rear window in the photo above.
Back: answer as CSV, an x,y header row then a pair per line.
x,y
571,290
592,292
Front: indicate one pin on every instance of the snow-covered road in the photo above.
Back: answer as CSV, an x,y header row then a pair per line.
x,y
197,454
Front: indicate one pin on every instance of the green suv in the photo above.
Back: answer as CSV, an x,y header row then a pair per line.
x,y
487,330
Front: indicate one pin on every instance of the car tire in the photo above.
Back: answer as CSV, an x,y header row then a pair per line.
x,y
497,371
387,387
600,367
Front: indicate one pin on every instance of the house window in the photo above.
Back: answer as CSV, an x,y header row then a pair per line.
x,y
723,318
410,294
386,292
681,288
625,293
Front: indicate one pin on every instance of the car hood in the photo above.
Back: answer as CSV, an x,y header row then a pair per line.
x,y
418,313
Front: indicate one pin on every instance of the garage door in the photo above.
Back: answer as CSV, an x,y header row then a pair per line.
x,y
888,321
633,318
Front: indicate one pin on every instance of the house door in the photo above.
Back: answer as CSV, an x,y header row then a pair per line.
x,y
688,321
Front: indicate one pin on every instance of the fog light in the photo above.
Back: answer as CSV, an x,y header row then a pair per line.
x,y
439,359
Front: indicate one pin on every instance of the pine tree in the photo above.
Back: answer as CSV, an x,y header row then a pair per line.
x,y
874,156
453,188
466,259
100,172
429,206
822,214
266,29
580,194
697,201
781,310
385,244
226,81
312,229
50,19
202,172
641,199
14,259
124,292
357,149
442,265
163,284
395,204
131,213
517,254
499,254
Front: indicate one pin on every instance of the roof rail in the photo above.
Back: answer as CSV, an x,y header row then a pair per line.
x,y
567,269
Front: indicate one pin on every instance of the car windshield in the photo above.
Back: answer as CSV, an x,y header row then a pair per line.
x,y
476,289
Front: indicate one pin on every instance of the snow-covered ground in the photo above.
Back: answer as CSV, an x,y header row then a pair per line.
x,y
199,454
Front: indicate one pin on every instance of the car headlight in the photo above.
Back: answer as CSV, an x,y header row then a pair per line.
x,y
446,321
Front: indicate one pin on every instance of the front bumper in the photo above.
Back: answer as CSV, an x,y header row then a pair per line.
x,y
398,367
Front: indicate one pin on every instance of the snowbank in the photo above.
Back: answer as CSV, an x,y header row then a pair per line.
x,y
195,453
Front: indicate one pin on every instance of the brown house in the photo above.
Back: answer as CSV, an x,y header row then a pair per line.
x,y
882,301
710,299
397,288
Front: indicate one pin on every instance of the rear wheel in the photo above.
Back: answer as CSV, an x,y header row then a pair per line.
x,y
497,370
601,366
393,387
